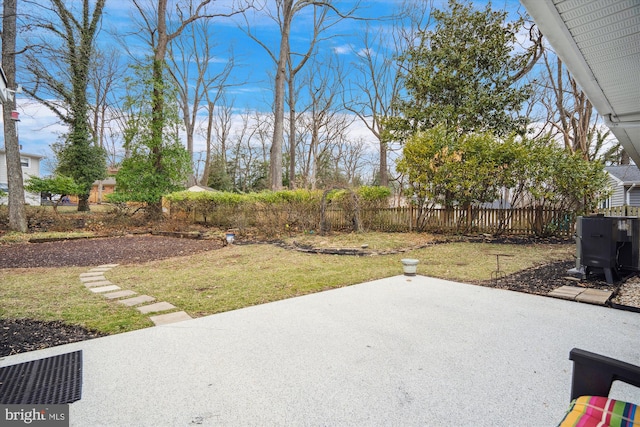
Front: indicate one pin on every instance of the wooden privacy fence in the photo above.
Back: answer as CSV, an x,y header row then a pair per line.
x,y
522,221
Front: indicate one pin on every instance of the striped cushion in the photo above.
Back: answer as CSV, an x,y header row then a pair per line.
x,y
587,411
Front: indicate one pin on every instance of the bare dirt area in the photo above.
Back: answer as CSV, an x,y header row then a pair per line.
x,y
21,335
84,252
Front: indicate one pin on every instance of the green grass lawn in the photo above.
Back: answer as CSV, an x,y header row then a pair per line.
x,y
57,294
243,275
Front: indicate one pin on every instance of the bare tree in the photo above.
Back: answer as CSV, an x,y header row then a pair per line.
x,y
319,19
324,120
286,11
219,125
238,157
17,212
60,65
208,135
570,114
222,123
350,156
104,81
249,152
161,30
372,96
194,46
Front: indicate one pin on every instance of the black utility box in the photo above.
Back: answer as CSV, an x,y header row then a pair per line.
x,y
609,243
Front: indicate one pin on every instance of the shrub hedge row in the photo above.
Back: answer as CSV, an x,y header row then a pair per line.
x,y
294,210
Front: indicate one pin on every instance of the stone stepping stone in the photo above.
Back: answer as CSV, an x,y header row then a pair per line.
x,y
92,279
566,292
100,269
108,265
101,289
91,274
98,283
587,295
137,300
119,294
165,319
159,306
594,296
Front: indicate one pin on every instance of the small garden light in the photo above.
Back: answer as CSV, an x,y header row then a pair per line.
x,y
230,238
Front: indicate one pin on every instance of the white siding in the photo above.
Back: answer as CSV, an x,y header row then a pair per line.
x,y
3,167
617,198
32,169
634,197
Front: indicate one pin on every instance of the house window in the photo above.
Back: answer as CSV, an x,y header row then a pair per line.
x,y
24,162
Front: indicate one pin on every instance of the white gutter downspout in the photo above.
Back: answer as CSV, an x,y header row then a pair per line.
x,y
626,124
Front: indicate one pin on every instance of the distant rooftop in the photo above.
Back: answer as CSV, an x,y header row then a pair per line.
x,y
627,174
35,156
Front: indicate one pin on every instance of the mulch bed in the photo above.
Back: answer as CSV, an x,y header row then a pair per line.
x,y
130,249
21,335
541,280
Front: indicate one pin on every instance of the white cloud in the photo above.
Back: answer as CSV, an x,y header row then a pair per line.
x,y
344,49
364,52
218,60
38,128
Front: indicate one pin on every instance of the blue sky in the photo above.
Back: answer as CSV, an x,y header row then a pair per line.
x,y
254,68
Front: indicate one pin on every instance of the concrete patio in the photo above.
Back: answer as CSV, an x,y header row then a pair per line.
x,y
397,351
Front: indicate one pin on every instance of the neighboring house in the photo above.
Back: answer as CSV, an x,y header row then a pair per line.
x,y
625,183
100,188
200,188
30,167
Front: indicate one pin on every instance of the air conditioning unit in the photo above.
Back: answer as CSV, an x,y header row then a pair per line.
x,y
608,245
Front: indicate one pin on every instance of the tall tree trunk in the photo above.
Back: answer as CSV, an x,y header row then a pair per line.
x,y
313,152
157,108
275,166
189,129
292,129
157,125
384,174
561,109
17,212
207,162
157,103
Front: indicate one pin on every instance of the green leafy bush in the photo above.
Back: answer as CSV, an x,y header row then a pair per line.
x,y
272,211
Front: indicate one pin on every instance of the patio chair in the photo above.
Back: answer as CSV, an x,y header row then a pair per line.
x,y
593,375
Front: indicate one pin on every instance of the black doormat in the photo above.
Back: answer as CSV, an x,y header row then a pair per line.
x,y
52,381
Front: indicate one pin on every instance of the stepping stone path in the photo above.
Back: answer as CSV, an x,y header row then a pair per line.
x,y
95,281
574,293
